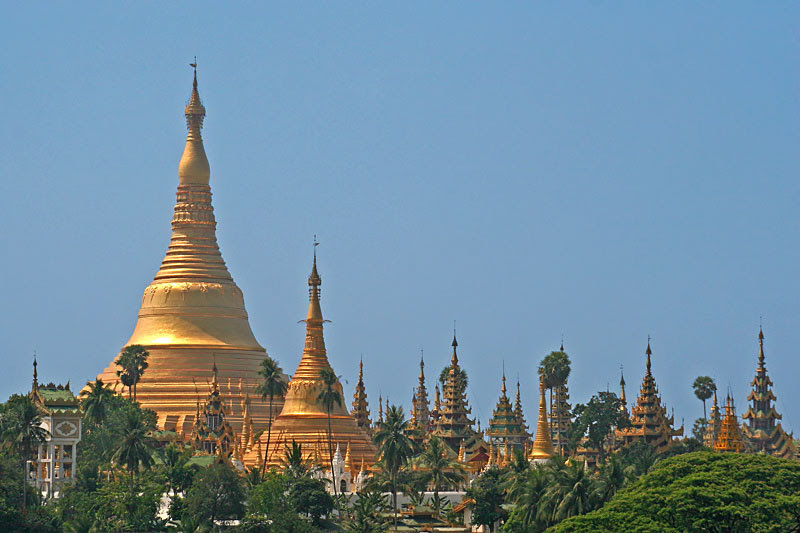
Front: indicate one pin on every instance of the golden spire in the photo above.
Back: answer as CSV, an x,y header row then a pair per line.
x,y
194,169
542,445
193,298
622,386
35,374
729,438
437,402
380,408
360,405
315,357
760,348
348,458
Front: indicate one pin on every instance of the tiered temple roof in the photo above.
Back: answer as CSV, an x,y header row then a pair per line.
x,y
520,414
714,425
504,426
212,432
649,420
454,425
360,405
763,432
420,411
561,419
729,438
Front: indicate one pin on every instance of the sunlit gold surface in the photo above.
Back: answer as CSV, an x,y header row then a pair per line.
x,y
543,445
193,313
303,419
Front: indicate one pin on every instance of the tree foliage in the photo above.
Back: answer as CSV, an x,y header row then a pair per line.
x,y
217,493
703,491
596,419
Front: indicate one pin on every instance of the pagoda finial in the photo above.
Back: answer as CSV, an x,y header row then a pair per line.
x,y
760,347
454,344
194,169
35,374
314,283
648,352
622,386
504,379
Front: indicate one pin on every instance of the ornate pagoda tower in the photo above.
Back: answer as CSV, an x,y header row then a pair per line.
x,y
420,411
504,427
560,426
542,450
360,405
303,419
520,414
763,432
729,438
454,425
193,312
649,420
212,433
714,425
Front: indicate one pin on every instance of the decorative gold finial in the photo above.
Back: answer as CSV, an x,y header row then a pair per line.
x,y
194,169
35,373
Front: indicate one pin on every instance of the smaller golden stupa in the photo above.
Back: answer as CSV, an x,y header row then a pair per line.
x,y
543,445
303,418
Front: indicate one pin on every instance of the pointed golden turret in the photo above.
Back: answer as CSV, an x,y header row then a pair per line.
x,y
714,424
360,404
763,431
193,310
729,438
542,446
420,412
303,418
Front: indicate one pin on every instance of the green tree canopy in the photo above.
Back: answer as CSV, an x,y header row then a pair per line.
x,y
703,491
217,493
596,419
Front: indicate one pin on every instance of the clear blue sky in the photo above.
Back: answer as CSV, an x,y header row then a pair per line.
x,y
605,171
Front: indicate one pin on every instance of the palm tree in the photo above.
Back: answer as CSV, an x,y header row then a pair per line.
x,y
394,448
439,469
612,476
527,492
272,386
570,493
95,402
134,444
22,427
133,362
293,462
367,514
328,396
704,387
555,369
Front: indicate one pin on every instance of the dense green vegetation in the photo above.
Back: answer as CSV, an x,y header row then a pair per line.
x,y
703,491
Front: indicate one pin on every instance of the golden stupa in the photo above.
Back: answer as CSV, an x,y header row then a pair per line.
x,y
303,419
193,313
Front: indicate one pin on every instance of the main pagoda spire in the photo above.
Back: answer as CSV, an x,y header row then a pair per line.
x,y
729,438
763,432
193,311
